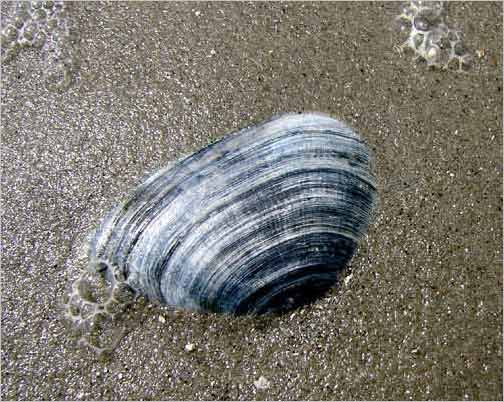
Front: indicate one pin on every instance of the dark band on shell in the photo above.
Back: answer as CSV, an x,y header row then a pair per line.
x,y
262,220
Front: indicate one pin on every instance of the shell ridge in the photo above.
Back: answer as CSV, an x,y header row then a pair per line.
x,y
185,162
259,275
238,221
223,207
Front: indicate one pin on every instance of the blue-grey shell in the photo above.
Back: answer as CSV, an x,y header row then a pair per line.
x,y
261,220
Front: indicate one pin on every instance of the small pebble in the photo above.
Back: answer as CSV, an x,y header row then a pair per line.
x,y
161,319
262,383
348,279
189,347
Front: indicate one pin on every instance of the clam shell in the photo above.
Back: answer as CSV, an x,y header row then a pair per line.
x,y
262,220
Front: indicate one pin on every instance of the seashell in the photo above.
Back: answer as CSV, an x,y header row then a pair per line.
x,y
261,220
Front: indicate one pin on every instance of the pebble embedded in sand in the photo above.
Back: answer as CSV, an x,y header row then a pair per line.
x,y
262,383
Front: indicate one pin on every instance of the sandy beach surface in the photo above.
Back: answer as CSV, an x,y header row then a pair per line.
x,y
113,91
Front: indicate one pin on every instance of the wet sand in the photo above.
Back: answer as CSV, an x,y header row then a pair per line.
x,y
418,313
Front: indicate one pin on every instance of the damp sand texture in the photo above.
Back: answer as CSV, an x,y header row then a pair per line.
x,y
114,91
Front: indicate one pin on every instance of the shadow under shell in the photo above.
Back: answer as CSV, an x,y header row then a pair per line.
x,y
262,220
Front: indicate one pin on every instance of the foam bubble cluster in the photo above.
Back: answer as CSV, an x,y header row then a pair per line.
x,y
430,38
94,309
44,25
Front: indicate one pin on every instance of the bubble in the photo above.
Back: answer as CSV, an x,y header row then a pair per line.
x,y
90,289
39,40
23,6
39,14
105,337
4,42
30,30
119,275
10,53
44,25
418,40
422,24
443,43
123,293
432,54
87,310
114,307
94,310
459,49
62,14
19,21
74,310
52,23
430,37
71,36
10,33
